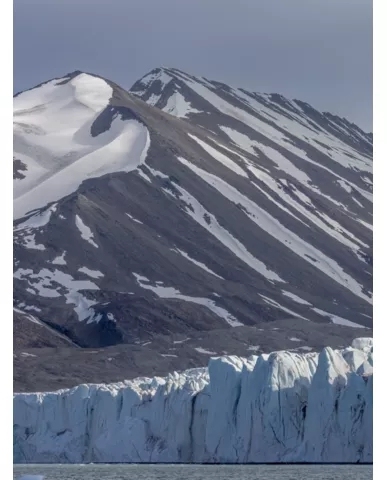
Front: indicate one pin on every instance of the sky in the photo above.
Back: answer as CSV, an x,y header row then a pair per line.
x,y
318,51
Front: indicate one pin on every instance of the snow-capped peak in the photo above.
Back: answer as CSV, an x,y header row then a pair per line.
x,y
247,190
159,85
88,89
62,138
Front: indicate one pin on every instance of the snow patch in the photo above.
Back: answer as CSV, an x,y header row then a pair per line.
x,y
241,140
206,352
220,157
178,106
196,262
60,260
134,219
272,302
143,175
357,202
29,242
91,273
338,320
153,99
295,298
173,293
37,220
160,75
47,283
86,232
157,173
344,185
32,307
26,354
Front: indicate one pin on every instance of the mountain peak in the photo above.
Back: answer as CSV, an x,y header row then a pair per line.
x,y
168,87
58,80
220,209
67,114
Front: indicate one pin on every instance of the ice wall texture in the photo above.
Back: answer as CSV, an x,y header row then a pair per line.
x,y
272,408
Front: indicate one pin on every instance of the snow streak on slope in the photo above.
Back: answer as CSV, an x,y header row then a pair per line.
x,y
311,170
220,157
303,129
272,226
336,319
85,231
90,273
281,163
282,407
199,264
134,219
269,181
306,208
173,293
244,117
295,298
339,152
282,123
208,221
272,302
53,140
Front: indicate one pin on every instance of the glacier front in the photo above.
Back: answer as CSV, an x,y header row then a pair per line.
x,y
278,407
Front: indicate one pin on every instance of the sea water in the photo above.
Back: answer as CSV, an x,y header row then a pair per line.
x,y
196,472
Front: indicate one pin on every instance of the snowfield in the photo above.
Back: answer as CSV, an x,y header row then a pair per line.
x,y
53,140
282,407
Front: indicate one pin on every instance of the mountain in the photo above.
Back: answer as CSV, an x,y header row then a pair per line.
x,y
282,407
182,211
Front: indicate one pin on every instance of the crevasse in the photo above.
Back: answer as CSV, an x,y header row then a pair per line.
x,y
279,407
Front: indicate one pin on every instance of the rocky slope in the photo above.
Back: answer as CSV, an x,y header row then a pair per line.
x,y
180,208
44,361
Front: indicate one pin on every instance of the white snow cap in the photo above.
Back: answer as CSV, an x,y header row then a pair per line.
x,y
52,138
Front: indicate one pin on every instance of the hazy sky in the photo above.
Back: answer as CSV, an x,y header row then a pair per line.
x,y
319,51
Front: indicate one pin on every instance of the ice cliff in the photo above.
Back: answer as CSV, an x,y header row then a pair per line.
x,y
313,407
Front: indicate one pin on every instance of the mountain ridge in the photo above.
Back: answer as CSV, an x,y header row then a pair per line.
x,y
237,213
165,70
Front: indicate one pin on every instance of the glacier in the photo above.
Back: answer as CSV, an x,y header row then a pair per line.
x,y
278,407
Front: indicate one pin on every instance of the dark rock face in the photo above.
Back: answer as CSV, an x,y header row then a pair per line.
x,y
247,209
18,168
